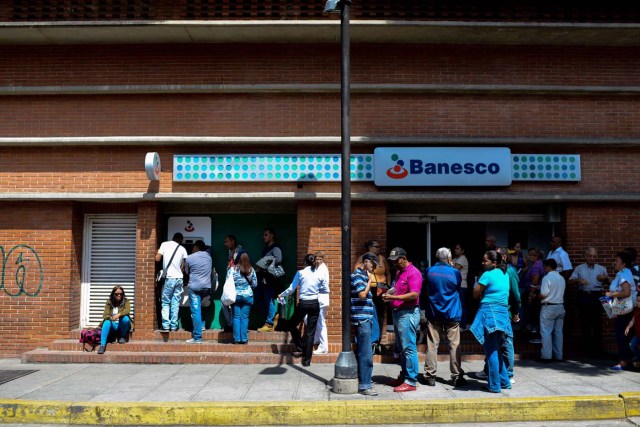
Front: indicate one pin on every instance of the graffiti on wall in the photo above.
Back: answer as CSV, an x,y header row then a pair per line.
x,y
22,272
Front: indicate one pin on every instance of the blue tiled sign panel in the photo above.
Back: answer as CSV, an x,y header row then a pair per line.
x,y
312,167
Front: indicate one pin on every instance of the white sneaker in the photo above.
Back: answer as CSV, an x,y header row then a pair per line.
x,y
512,380
318,351
192,341
481,375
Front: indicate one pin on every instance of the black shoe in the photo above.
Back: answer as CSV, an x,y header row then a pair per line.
x,y
459,381
297,354
306,363
122,341
543,360
430,381
102,349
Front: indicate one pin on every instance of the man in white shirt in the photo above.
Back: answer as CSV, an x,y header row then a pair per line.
x,y
552,312
587,277
172,289
561,257
321,337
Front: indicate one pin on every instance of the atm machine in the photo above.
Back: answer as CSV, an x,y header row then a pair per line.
x,y
193,228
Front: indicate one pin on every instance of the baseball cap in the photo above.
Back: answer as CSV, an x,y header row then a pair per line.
x,y
371,257
397,253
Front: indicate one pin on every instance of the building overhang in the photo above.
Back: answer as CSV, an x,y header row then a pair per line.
x,y
318,31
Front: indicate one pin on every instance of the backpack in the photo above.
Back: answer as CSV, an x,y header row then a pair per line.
x,y
91,337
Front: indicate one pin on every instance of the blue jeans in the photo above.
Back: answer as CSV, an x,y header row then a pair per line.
x,y
498,377
241,310
635,342
171,296
375,329
507,353
620,324
120,327
551,322
196,314
268,302
406,323
364,354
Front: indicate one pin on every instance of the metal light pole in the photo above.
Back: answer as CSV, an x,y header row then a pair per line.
x,y
345,380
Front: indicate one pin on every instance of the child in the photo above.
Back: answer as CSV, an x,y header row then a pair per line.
x,y
635,341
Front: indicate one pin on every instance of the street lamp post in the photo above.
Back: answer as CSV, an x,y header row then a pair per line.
x,y
345,380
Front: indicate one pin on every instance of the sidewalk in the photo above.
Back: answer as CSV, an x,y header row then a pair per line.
x,y
291,394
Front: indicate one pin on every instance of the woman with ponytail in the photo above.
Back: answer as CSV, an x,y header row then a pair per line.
x,y
492,320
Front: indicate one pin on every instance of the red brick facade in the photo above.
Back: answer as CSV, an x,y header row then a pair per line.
x,y
54,229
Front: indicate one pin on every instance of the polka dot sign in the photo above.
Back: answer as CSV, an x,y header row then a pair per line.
x,y
308,167
301,167
545,167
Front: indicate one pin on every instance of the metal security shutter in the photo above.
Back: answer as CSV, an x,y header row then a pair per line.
x,y
109,259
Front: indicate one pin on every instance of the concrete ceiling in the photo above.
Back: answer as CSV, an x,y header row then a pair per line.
x,y
318,31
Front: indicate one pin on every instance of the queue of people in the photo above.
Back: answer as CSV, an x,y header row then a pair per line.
x,y
514,291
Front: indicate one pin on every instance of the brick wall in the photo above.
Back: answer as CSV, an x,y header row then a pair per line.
x,y
608,227
319,229
36,240
146,309
319,63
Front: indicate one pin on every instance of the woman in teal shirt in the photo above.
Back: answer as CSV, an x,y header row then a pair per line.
x,y
492,320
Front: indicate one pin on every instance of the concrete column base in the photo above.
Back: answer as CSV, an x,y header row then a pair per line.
x,y
344,385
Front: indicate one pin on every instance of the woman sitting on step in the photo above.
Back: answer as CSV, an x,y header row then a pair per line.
x,y
116,319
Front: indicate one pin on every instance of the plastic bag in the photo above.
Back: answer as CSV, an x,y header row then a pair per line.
x,y
229,290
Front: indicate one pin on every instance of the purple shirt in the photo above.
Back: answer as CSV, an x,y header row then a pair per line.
x,y
537,269
407,281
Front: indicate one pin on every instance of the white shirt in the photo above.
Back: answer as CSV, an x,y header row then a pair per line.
x,y
323,273
166,250
462,261
562,259
590,274
312,283
553,286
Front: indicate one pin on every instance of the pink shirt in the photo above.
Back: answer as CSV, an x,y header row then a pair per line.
x,y
407,281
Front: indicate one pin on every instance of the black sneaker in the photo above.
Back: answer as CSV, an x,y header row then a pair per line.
x,y
122,341
459,381
102,349
431,382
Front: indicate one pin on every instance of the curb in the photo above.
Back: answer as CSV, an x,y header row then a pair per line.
x,y
322,413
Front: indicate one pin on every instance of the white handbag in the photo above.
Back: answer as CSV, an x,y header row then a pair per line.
x,y
229,290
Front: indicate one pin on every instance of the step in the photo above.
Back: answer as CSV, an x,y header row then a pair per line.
x,y
43,355
181,347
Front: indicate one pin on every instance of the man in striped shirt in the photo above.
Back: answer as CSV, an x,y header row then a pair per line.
x,y
362,310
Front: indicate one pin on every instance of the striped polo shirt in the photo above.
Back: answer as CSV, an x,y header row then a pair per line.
x,y
361,310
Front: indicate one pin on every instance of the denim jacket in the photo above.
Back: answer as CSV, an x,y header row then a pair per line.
x,y
491,318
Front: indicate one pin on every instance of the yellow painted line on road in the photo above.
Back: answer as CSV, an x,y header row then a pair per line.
x,y
327,413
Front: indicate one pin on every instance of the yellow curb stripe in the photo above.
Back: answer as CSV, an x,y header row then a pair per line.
x,y
631,403
328,413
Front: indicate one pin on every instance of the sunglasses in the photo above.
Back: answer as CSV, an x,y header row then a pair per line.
x,y
118,294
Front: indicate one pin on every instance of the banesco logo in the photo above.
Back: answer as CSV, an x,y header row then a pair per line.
x,y
398,171
417,167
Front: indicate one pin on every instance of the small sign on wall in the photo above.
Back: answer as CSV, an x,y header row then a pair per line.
x,y
152,166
